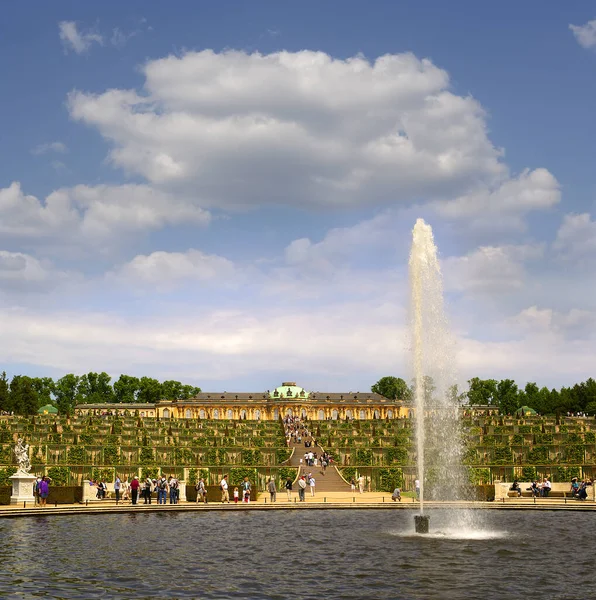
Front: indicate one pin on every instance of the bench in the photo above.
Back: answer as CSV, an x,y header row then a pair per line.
x,y
552,494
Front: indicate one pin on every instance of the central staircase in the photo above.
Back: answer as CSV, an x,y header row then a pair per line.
x,y
328,481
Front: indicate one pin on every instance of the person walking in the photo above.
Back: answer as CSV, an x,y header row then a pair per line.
x,y
117,486
134,489
353,484
288,487
202,493
312,485
272,490
223,486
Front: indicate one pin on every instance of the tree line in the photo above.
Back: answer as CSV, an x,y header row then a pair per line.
x,y
25,395
504,394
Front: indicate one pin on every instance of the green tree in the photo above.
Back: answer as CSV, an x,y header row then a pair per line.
x,y
507,396
67,393
44,386
482,392
394,388
23,397
95,388
149,390
126,388
4,393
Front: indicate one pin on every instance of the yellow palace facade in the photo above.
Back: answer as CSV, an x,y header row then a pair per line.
x,y
287,399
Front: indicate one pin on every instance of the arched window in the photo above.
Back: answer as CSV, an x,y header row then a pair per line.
x,y
349,413
334,414
216,414
276,413
257,414
303,413
202,413
166,413
321,415
230,413
188,413
362,415
289,412
243,414
390,414
377,414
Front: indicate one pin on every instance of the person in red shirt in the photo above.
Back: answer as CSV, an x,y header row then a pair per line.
x,y
134,489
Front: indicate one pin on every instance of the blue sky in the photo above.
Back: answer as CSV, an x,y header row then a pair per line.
x,y
224,193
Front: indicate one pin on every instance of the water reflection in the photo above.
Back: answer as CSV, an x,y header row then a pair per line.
x,y
318,554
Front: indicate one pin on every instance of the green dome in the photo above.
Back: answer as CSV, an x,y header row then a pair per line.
x,y
48,409
289,389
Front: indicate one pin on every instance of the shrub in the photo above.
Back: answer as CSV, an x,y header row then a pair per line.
x,y
363,457
479,476
390,478
59,476
77,455
237,475
529,474
282,455
5,475
285,472
98,474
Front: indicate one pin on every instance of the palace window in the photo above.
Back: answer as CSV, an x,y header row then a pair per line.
x,y
321,415
230,413
334,414
216,414
188,413
202,413
166,413
362,415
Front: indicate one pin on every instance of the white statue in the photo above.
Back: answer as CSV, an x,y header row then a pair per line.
x,y
21,451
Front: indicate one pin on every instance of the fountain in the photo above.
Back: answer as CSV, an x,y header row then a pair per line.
x,y
438,437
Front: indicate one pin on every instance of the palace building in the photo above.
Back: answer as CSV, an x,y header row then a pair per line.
x,y
287,399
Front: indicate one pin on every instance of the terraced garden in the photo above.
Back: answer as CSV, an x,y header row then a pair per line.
x,y
77,448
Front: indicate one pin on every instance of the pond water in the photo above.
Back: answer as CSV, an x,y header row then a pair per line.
x,y
296,554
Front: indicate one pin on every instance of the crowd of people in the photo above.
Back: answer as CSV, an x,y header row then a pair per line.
x,y
133,491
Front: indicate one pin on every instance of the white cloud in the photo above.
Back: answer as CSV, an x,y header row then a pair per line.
x,y
162,270
505,204
490,269
546,321
576,237
22,272
100,215
59,147
299,128
585,34
75,40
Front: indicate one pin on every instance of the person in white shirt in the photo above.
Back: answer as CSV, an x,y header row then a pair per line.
x,y
223,486
361,484
312,485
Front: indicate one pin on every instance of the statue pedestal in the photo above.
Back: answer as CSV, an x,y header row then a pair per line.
x,y
22,487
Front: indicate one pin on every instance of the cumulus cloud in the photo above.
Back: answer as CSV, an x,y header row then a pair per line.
x,y
76,40
163,270
93,214
21,272
585,34
576,237
556,323
490,269
507,203
298,128
59,147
